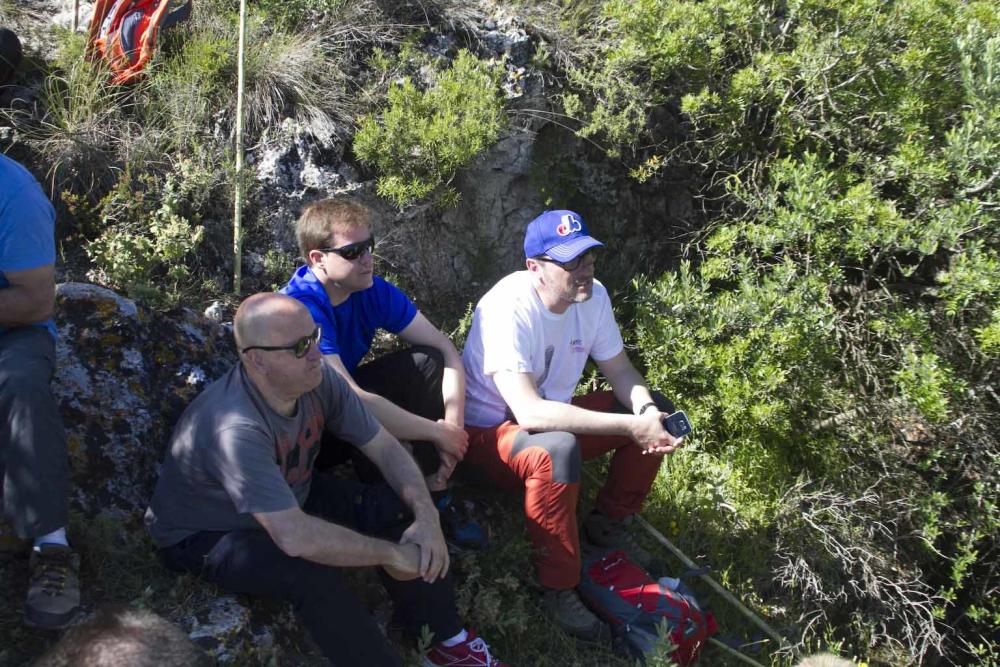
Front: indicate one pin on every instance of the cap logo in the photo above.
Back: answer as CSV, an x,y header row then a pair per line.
x,y
568,224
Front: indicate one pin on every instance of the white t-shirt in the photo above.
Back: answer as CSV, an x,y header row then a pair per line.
x,y
513,331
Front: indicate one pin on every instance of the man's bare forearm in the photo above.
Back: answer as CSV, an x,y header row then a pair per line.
x,y
303,536
545,415
402,424
453,393
330,544
401,473
626,382
633,394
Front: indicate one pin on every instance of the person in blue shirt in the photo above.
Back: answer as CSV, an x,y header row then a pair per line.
x,y
34,468
417,393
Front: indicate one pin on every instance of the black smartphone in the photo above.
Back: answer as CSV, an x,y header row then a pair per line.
x,y
677,424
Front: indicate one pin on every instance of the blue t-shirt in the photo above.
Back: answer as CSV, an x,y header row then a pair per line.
x,y
27,225
348,328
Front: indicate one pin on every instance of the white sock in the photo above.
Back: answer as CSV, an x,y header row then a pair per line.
x,y
457,639
55,537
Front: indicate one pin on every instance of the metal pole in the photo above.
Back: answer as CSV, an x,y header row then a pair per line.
x,y
238,205
733,652
661,538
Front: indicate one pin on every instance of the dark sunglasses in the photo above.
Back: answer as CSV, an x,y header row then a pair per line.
x,y
352,251
299,348
571,265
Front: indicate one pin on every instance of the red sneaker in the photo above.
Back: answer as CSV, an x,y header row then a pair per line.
x,y
473,652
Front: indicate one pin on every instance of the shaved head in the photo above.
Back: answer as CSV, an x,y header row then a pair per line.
x,y
262,318
125,637
267,327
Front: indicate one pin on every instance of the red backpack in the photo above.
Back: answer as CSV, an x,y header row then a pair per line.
x,y
124,32
634,604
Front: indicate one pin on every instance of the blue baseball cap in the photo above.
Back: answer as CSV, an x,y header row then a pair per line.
x,y
560,235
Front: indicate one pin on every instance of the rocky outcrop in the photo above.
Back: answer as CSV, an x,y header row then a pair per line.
x,y
447,258
125,373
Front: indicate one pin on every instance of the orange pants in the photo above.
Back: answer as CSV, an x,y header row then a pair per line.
x,y
547,467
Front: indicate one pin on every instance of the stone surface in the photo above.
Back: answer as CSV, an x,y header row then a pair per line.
x,y
125,373
63,18
504,34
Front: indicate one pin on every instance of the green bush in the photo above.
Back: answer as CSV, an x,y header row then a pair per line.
x,y
422,137
151,235
837,319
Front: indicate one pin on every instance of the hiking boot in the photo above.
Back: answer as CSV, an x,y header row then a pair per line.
x,y
568,611
473,652
54,589
601,531
460,530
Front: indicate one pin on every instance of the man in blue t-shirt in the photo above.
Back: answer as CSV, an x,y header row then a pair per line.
x,y
33,466
417,393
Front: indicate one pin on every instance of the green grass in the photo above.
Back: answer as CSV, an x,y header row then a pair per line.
x,y
496,593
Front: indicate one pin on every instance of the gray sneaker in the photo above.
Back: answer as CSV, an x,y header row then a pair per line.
x,y
568,611
54,590
606,533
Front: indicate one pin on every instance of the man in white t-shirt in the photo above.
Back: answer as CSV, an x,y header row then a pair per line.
x,y
531,336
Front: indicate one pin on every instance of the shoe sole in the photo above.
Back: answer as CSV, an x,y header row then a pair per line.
x,y
46,621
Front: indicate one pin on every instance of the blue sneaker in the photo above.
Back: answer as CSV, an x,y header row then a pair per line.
x,y
460,530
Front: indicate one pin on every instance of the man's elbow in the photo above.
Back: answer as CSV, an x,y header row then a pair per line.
x,y
35,308
531,420
45,310
452,356
285,535
289,544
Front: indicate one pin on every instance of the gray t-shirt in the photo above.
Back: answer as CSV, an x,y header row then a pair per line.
x,y
231,455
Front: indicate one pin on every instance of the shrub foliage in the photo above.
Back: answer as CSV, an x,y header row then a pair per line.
x,y
833,329
833,332
422,137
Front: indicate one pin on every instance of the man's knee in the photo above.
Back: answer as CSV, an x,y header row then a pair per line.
x,y
427,357
249,562
561,449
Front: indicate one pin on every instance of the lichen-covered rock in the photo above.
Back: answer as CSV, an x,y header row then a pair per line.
x,y
125,373
293,167
504,34
221,626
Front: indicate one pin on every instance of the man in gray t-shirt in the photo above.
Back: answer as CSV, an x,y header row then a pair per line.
x,y
239,504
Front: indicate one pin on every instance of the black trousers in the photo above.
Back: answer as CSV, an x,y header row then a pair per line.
x,y
411,378
248,562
